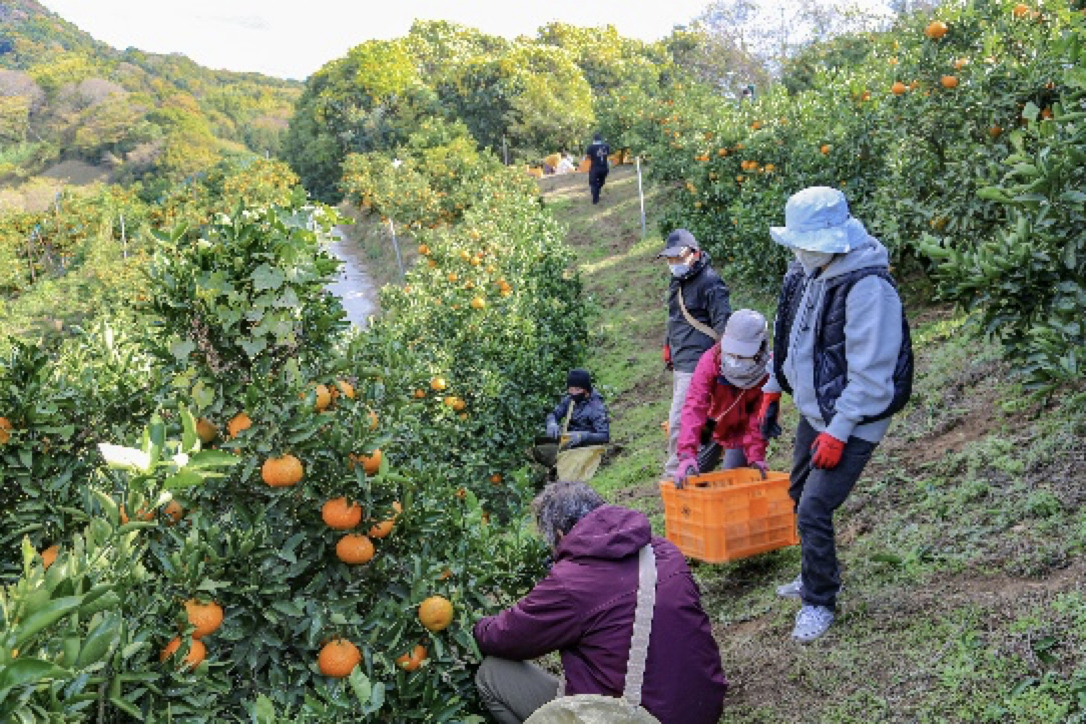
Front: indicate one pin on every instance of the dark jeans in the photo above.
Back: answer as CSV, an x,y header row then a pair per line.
x,y
817,494
596,178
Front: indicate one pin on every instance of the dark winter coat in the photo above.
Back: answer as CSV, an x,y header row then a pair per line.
x,y
588,416
707,300
584,608
597,153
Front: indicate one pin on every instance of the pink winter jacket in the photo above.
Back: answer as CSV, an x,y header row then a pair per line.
x,y
710,395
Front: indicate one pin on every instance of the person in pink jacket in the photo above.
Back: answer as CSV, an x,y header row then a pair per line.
x,y
727,387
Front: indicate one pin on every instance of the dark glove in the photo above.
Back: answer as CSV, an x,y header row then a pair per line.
x,y
687,467
759,465
666,353
575,439
552,429
768,414
826,451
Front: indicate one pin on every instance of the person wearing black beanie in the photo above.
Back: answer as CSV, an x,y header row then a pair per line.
x,y
581,414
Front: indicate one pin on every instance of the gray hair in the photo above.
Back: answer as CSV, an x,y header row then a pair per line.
x,y
561,506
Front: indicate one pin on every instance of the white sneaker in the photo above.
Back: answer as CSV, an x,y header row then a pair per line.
x,y
811,623
792,589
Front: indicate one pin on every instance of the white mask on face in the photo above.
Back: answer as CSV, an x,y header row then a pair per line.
x,y
678,270
812,260
743,372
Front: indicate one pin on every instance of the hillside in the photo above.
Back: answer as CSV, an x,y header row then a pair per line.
x,y
129,115
963,544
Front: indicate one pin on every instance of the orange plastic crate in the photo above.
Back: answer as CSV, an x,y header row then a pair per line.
x,y
727,515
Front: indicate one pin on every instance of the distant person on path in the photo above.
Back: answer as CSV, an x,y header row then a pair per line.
x,y
698,310
584,609
566,164
842,350
597,153
727,388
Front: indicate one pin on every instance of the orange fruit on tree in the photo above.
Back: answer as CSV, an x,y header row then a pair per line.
x,y
936,29
282,472
453,277
825,149
374,420
197,652
949,81
336,513
436,613
423,249
5,430
478,303
345,388
141,514
370,463
419,394
412,660
204,617
961,63
898,88
995,131
238,423
1021,10
496,478
383,528
438,384
49,555
206,430
354,549
338,658
324,398
173,512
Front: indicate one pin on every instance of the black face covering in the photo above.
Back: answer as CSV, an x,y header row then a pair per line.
x,y
579,397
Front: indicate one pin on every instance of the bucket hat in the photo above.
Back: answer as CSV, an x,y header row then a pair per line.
x,y
677,241
744,334
817,219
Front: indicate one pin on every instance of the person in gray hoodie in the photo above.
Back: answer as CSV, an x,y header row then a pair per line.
x,y
842,350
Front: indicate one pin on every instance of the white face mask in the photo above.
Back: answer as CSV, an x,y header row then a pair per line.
x,y
678,270
812,260
743,372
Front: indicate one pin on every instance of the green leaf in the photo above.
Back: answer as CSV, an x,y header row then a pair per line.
x,y
28,672
253,347
361,686
181,349
263,711
211,459
267,277
183,479
45,617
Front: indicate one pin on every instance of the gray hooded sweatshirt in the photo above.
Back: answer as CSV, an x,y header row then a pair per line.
x,y
872,340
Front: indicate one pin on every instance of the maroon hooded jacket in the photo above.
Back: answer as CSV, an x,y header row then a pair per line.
x,y
585,609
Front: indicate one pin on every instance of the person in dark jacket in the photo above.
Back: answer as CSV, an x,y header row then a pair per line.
x,y
588,424
584,608
597,153
697,287
842,350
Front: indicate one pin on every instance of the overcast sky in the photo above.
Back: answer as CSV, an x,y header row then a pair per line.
x,y
293,39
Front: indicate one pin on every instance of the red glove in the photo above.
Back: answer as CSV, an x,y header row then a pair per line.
x,y
768,398
826,451
666,354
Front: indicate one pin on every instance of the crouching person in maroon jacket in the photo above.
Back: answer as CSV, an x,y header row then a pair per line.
x,y
584,608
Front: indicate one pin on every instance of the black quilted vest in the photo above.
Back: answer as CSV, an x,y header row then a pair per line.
x,y
831,365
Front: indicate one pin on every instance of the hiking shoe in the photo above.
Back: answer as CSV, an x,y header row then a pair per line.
x,y
811,623
792,589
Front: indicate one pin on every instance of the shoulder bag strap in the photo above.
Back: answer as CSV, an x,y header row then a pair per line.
x,y
704,329
642,627
568,417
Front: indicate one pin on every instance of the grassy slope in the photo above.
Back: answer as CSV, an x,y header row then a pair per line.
x,y
962,545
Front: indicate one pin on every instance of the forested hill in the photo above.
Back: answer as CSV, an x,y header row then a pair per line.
x,y
65,95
